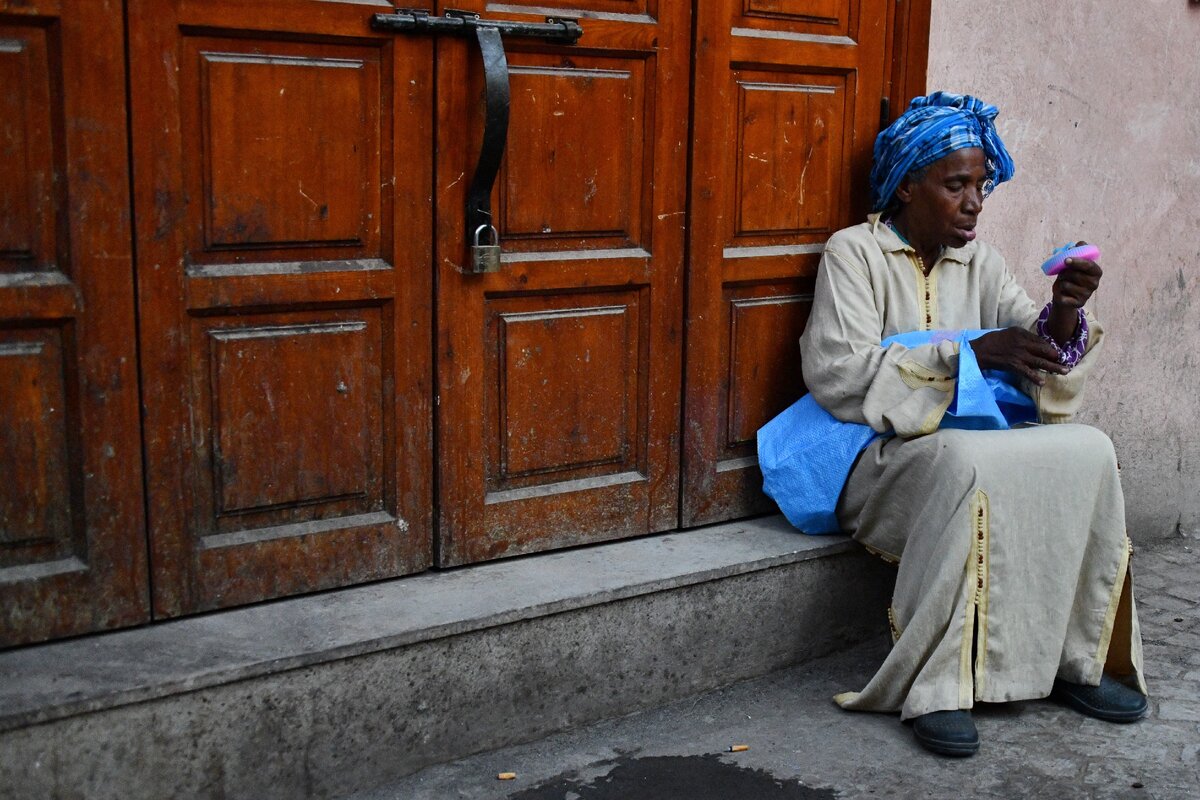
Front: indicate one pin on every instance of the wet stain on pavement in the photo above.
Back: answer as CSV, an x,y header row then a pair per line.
x,y
705,777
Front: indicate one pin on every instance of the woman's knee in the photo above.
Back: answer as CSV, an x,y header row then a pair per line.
x,y
1092,444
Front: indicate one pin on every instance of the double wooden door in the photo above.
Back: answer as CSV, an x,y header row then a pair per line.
x,y
610,405
328,396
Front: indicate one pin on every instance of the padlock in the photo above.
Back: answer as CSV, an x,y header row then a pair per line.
x,y
485,257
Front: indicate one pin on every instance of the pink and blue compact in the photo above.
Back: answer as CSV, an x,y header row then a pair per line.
x,y
1057,261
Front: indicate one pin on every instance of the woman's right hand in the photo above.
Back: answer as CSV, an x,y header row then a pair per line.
x,y
1020,351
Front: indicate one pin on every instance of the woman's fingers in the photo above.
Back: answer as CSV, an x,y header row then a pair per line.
x,y
1034,368
1082,271
1053,366
1074,285
1031,375
1084,266
1020,351
1071,296
1046,359
1035,356
1050,365
1032,344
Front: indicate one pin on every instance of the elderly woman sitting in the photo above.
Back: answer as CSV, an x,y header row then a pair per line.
x,y
1013,578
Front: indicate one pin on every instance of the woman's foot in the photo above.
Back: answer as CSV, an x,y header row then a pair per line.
x,y
947,733
1111,701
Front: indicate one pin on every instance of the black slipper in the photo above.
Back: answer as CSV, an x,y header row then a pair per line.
x,y
1111,701
947,733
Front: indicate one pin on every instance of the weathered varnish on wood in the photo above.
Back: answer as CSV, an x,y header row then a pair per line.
x,y
303,323
72,547
786,97
559,375
282,181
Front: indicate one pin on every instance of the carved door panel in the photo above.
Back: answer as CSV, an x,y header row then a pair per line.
x,y
72,546
559,375
787,104
282,182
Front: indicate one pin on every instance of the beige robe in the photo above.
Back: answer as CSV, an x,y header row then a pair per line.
x,y
1011,545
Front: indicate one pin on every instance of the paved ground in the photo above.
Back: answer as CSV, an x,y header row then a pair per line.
x,y
802,746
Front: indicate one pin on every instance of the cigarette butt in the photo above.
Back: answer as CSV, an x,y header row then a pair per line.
x,y
506,776
739,748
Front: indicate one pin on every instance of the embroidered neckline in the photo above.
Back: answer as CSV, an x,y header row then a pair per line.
x,y
892,227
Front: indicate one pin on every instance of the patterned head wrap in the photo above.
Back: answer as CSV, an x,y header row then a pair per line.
x,y
930,129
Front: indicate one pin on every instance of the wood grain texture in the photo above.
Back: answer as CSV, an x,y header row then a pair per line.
x,y
765,323
832,13
789,153
909,55
282,182
564,383
266,379
570,175
36,506
559,376
789,96
285,200
72,554
331,101
29,194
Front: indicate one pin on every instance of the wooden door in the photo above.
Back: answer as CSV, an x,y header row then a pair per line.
x,y
72,546
559,375
282,183
787,105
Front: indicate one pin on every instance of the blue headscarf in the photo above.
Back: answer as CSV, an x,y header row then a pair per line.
x,y
930,129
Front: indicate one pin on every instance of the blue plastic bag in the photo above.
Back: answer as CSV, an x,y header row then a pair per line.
x,y
983,400
806,453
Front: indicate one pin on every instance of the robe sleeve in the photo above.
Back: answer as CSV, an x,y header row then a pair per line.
x,y
893,389
1062,395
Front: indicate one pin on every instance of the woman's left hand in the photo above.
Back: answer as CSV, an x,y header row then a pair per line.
x,y
1073,287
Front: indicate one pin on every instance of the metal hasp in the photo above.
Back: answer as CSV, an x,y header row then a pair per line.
x,y
489,35
464,23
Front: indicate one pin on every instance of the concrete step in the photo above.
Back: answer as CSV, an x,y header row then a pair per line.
x,y
801,745
329,694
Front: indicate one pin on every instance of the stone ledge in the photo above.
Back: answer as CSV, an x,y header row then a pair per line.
x,y
348,724
42,683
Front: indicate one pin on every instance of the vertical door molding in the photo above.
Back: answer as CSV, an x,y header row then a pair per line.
x,y
909,55
72,536
559,375
787,100
282,181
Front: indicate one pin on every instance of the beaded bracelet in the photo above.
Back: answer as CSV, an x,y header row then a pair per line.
x,y
1069,353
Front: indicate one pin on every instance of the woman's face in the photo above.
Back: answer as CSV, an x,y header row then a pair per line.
x,y
943,207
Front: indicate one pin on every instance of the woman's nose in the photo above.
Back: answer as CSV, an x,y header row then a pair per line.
x,y
972,200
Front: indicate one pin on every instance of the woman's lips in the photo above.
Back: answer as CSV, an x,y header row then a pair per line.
x,y
967,233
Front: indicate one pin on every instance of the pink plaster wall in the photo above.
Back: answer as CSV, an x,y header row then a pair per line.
x,y
1100,107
